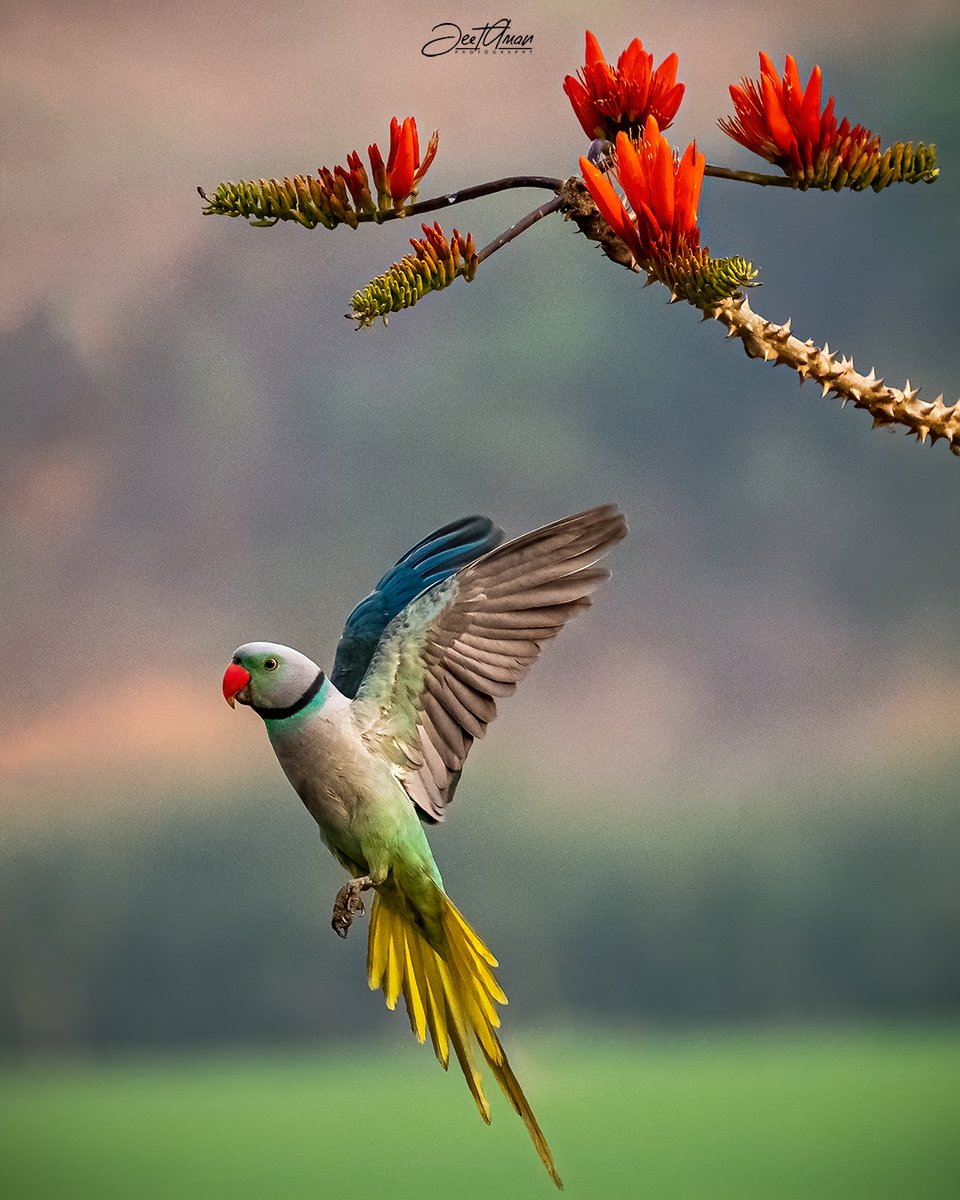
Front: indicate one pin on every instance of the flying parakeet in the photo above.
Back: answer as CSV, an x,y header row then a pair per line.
x,y
376,751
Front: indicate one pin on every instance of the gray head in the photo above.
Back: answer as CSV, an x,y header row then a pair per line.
x,y
274,680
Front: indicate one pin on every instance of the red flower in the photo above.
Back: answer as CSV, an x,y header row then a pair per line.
x,y
663,191
782,121
397,181
610,99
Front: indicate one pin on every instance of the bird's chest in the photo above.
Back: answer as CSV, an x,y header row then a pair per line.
x,y
347,789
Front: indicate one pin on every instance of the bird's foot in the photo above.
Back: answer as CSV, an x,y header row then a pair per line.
x,y
349,905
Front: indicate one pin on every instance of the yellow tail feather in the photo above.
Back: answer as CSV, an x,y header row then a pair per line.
x,y
452,995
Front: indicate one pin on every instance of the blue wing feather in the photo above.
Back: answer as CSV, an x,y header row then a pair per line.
x,y
428,562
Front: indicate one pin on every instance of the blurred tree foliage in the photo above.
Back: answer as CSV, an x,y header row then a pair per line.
x,y
212,925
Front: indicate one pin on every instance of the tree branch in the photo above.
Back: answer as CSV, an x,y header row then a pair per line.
x,y
775,343
836,374
518,227
476,192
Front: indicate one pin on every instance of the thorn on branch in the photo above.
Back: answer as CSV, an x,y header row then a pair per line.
x,y
836,375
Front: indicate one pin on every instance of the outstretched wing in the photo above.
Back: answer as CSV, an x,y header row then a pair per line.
x,y
437,556
441,665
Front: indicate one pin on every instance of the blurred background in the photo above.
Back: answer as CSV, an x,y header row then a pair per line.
x,y
714,838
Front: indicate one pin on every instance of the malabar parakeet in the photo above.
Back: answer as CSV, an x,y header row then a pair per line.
x,y
375,751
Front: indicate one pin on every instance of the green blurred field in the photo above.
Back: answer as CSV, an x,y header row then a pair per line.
x,y
848,1114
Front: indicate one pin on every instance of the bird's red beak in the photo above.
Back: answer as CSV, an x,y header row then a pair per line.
x,y
235,678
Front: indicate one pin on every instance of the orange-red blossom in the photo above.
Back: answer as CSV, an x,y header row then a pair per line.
x,y
782,121
610,99
398,179
662,190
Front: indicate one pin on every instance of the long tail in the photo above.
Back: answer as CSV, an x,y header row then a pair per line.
x,y
451,996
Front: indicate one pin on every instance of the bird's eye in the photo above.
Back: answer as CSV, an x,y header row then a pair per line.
x,y
270,664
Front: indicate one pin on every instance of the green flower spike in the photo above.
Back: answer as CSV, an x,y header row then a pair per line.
x,y
338,197
434,265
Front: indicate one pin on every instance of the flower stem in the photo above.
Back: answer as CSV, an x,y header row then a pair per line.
x,y
756,177
518,227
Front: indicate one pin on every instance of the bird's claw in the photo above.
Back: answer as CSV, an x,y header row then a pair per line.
x,y
347,906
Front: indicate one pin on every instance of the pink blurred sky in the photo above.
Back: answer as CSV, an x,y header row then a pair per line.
x,y
112,113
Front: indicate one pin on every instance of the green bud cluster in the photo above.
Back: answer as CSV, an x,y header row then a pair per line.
x,y
701,280
434,265
309,201
857,168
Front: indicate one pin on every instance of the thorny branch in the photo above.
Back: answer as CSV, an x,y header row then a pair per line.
x,y
775,343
